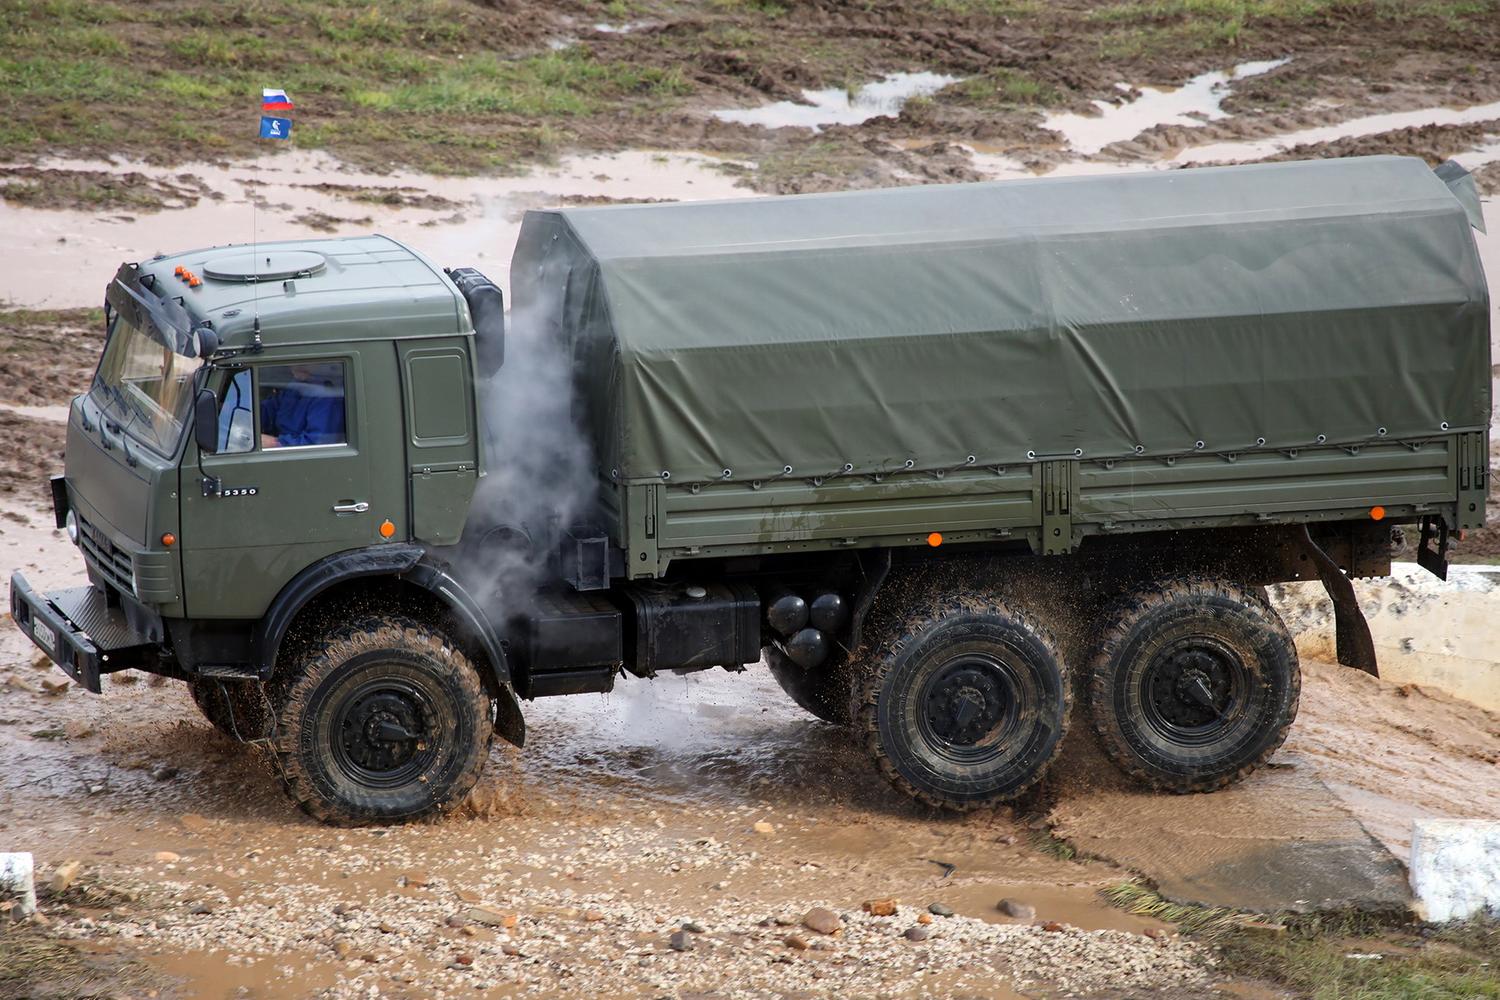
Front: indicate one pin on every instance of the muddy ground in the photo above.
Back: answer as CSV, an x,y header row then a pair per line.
x,y
705,805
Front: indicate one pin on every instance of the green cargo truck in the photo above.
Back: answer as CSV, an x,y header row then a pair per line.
x,y
938,456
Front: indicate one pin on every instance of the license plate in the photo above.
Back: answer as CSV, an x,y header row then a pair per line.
x,y
45,636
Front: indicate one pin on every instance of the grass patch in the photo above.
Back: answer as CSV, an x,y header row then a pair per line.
x,y
1161,26
1328,956
34,964
1452,963
570,82
1053,847
995,8
1140,899
1001,87
765,8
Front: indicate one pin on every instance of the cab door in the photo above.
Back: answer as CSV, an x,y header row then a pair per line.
x,y
296,476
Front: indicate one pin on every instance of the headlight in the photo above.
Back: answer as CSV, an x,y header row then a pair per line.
x,y
70,525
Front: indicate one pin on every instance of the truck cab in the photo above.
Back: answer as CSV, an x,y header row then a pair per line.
x,y
263,422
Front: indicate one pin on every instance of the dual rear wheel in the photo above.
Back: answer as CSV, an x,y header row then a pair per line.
x,y
1191,686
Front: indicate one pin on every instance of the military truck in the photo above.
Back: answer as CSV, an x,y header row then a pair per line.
x,y
937,456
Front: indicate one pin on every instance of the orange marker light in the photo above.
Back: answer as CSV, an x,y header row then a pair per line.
x,y
194,282
1377,513
178,270
935,539
169,539
387,529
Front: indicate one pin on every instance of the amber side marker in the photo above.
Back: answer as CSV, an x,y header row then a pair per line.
x,y
1377,513
387,529
935,539
169,539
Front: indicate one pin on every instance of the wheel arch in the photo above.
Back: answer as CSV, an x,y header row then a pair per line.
x,y
392,577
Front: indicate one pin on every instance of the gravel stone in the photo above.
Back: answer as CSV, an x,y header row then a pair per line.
x,y
1017,909
822,920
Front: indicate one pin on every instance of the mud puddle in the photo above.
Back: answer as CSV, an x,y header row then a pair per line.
x,y
838,106
1369,125
57,257
1195,102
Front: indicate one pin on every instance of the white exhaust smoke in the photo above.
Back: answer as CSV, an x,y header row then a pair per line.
x,y
540,467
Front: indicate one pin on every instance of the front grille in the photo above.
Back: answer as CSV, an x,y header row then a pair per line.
x,y
112,563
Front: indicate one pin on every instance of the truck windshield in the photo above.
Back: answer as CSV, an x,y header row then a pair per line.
x,y
145,384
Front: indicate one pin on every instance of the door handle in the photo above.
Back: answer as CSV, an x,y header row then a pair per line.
x,y
351,508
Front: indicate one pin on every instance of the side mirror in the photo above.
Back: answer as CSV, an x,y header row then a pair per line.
x,y
206,421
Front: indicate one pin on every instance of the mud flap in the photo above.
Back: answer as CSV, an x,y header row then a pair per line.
x,y
1434,561
1355,645
509,723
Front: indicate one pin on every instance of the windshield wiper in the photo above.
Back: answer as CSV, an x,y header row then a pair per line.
x,y
130,412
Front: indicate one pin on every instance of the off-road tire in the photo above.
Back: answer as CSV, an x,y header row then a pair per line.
x,y
916,660
1252,668
238,709
378,669
824,690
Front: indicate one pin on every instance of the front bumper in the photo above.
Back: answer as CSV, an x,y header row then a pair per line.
x,y
79,630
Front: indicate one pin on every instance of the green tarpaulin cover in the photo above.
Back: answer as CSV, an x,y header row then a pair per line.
x,y
1276,305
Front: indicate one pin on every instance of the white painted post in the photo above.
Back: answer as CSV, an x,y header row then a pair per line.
x,y
16,883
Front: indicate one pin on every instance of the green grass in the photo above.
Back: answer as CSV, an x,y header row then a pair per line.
x,y
1136,897
374,80
1000,87
997,8
1313,955
766,8
570,82
1449,965
472,85
1154,26
1055,847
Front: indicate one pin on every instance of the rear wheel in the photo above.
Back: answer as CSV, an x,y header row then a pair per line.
x,y
964,706
381,722
1194,684
823,690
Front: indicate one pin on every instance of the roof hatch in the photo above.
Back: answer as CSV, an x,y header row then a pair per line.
x,y
274,265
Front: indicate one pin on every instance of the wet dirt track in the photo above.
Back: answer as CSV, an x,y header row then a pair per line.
x,y
633,814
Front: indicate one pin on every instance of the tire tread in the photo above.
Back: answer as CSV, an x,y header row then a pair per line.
x,y
298,683
1129,610
889,634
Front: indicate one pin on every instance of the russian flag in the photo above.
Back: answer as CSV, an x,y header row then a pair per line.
x,y
274,100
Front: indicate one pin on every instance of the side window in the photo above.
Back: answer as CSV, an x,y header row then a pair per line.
x,y
301,404
236,417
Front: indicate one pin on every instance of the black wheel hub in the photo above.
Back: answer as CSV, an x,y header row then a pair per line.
x,y
1193,690
381,735
967,702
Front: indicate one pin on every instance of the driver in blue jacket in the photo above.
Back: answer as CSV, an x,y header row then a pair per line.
x,y
309,410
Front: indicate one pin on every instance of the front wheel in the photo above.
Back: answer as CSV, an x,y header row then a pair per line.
x,y
965,705
1194,684
381,722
